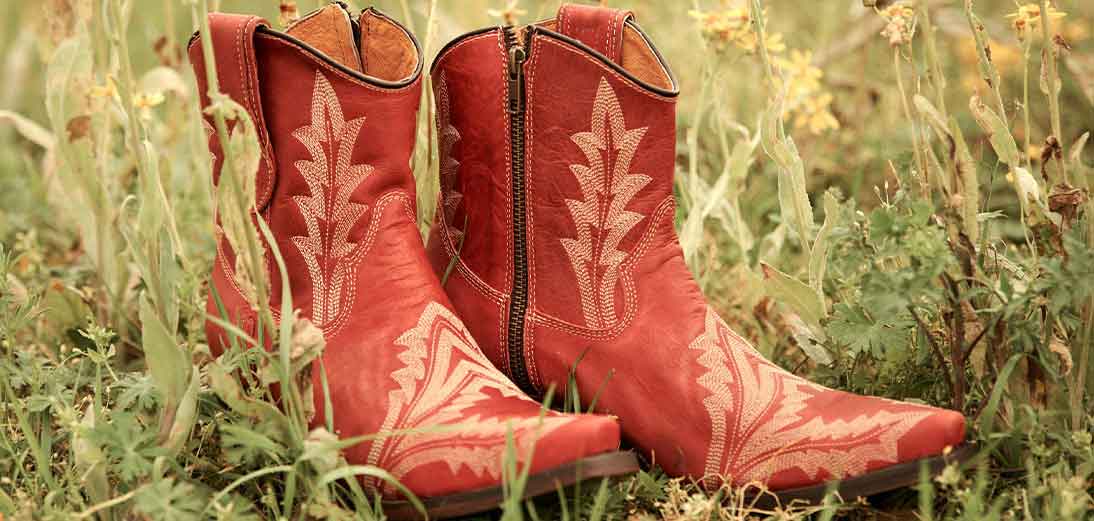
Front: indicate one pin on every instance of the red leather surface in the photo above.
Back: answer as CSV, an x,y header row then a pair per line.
x,y
690,393
598,27
342,212
474,71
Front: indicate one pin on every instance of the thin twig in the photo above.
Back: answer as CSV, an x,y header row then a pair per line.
x,y
935,348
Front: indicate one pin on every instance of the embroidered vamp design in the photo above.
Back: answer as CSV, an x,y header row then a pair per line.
x,y
761,424
442,387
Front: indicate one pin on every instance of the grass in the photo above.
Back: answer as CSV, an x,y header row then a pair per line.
x,y
891,201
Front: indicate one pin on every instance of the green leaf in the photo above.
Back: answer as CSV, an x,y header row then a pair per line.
x,y
818,255
30,130
793,196
185,416
987,416
802,299
168,364
967,183
998,133
931,114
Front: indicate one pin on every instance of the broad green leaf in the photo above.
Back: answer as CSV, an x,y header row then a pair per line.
x,y
90,459
987,416
30,130
931,114
818,255
168,363
798,296
185,416
966,183
998,133
793,197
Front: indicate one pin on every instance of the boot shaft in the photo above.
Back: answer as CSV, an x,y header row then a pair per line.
x,y
334,102
557,150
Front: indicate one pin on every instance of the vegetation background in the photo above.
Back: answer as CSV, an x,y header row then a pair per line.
x,y
890,199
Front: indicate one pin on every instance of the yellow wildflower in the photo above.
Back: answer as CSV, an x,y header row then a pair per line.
x,y
1028,16
800,72
510,14
774,43
733,27
106,90
899,23
1034,152
147,100
144,101
815,113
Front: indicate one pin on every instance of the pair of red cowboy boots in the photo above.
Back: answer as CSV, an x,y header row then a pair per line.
x,y
555,228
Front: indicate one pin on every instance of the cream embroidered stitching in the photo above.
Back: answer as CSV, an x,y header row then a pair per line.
x,y
663,212
327,209
366,245
750,443
601,218
503,318
529,347
444,375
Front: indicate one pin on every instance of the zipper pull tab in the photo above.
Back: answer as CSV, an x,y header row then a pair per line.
x,y
516,79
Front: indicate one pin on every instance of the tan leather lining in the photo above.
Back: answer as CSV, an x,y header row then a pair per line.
x,y
330,31
387,51
639,59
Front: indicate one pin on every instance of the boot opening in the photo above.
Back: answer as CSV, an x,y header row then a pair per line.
x,y
373,44
387,50
638,57
330,31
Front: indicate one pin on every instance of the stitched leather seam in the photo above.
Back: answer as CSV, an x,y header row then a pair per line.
x,y
503,318
362,250
244,54
476,282
529,216
608,70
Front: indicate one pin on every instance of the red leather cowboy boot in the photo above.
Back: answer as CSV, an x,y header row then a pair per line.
x,y
557,144
334,100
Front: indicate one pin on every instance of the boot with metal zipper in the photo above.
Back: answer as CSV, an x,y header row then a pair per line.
x,y
556,227
334,100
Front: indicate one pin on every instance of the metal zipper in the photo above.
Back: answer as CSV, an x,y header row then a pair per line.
x,y
518,303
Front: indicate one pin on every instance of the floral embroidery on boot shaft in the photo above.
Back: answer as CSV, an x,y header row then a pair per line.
x,y
443,376
601,217
759,424
327,210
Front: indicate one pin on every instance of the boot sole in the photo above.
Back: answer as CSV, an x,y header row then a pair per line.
x,y
488,498
883,480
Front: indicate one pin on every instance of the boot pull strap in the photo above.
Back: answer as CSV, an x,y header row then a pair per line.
x,y
598,27
233,39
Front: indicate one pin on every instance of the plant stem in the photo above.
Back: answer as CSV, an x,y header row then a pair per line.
x,y
921,162
1028,131
1048,55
